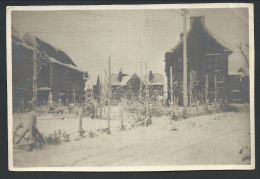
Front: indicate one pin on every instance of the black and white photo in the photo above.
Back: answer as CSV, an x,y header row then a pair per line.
x,y
130,87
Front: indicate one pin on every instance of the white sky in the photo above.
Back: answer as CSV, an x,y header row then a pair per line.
x,y
130,37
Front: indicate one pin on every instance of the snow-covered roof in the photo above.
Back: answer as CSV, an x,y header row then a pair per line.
x,y
50,50
15,35
115,79
23,45
156,80
31,42
125,79
52,60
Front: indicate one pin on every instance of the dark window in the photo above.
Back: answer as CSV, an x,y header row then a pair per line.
x,y
213,62
180,64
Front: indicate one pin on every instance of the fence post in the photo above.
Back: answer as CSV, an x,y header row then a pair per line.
x,y
80,121
31,126
50,99
59,102
67,102
207,106
215,105
121,116
22,106
197,106
109,96
150,114
171,91
190,93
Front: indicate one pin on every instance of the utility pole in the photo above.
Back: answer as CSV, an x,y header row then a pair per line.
x,y
146,89
215,85
101,97
206,94
185,97
34,99
141,85
171,91
109,95
191,84
206,89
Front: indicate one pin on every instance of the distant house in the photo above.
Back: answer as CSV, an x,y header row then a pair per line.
x,y
238,87
57,73
206,54
126,86
234,87
155,84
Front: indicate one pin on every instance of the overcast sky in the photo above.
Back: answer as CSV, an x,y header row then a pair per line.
x,y
130,37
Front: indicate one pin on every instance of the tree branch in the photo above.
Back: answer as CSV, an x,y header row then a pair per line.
x,y
243,53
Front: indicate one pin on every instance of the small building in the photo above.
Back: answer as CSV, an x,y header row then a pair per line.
x,y
207,55
238,87
56,72
126,86
155,84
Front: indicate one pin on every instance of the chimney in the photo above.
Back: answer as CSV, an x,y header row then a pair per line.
x,y
181,36
197,20
120,75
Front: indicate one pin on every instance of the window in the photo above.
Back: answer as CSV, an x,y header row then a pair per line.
x,y
213,62
180,64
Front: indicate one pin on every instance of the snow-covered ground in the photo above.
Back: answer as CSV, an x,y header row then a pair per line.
x,y
216,139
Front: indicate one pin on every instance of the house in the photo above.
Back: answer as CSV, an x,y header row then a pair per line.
x,y
234,87
238,90
126,86
207,55
155,84
57,73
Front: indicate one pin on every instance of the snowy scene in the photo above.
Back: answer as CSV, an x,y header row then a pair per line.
x,y
130,88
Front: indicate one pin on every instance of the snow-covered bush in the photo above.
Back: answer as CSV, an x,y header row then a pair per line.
x,y
57,137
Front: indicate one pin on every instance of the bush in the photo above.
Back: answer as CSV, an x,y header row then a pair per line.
x,y
57,137
159,110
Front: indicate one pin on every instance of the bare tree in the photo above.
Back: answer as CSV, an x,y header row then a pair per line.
x,y
242,50
74,86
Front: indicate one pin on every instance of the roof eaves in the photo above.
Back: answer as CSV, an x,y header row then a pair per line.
x,y
52,60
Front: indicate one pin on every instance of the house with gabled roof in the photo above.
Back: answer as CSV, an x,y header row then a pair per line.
x,y
207,54
126,86
57,73
155,84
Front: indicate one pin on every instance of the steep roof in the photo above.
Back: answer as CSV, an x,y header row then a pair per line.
x,y
15,35
28,42
156,80
125,79
115,79
50,50
203,29
52,60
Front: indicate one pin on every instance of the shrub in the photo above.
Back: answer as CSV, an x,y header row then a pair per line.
x,y
57,137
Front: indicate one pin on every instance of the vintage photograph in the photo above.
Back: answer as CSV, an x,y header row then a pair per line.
x,y
130,88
